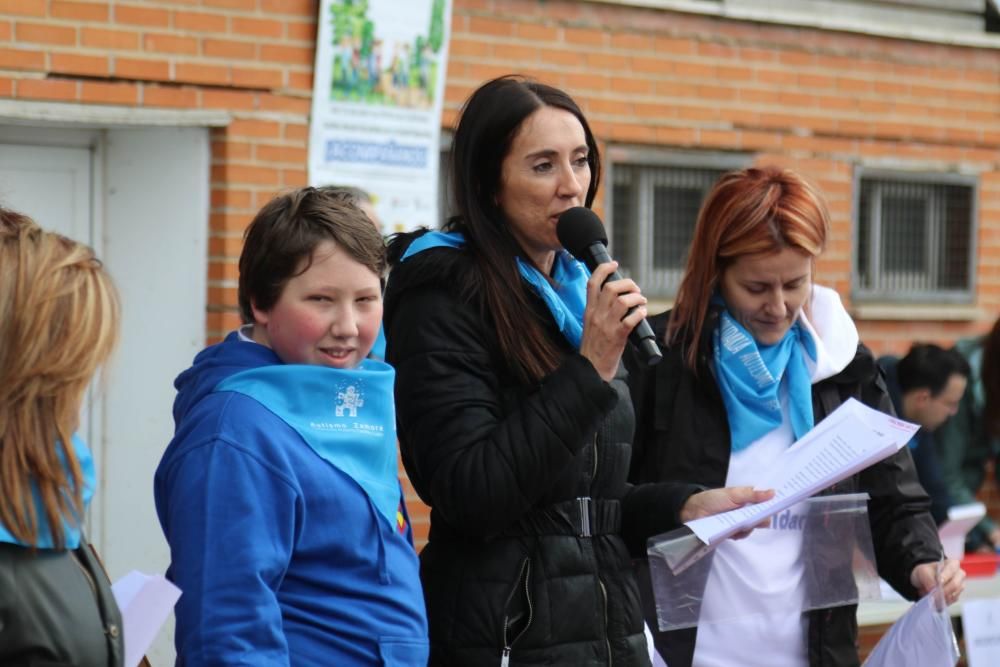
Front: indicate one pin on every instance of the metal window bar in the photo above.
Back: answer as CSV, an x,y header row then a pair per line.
x,y
653,218
914,240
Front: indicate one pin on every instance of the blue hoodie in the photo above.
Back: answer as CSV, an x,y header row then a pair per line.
x,y
282,558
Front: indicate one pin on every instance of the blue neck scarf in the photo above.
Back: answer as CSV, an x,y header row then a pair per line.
x,y
750,375
71,529
566,301
347,416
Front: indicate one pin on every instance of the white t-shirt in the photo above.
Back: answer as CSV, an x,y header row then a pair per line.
x,y
751,613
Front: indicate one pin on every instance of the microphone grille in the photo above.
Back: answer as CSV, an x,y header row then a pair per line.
x,y
579,228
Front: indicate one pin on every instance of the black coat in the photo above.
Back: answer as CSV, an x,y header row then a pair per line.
x,y
683,434
510,471
56,608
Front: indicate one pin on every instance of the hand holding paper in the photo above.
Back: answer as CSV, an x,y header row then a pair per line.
x,y
850,439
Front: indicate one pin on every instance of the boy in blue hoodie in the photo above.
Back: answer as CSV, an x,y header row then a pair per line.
x,y
278,494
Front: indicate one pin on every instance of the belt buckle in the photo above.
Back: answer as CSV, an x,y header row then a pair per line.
x,y
584,504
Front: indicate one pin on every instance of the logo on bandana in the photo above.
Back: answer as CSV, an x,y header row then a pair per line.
x,y
350,400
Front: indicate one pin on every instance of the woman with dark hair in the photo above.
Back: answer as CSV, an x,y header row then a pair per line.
x,y
971,438
755,354
514,419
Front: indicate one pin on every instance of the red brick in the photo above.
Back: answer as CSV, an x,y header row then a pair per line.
x,y
252,77
109,93
23,7
164,43
303,81
584,36
301,31
628,84
229,222
281,154
41,33
71,63
142,69
295,132
480,25
6,87
6,31
294,178
59,90
656,66
228,99
253,128
299,7
630,41
248,5
536,32
672,45
196,73
201,21
245,174
80,11
232,151
228,48
464,48
101,38
136,15
293,55
229,198
257,27
554,56
21,59
170,96
298,105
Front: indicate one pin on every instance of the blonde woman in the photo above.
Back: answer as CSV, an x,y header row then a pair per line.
x,y
58,323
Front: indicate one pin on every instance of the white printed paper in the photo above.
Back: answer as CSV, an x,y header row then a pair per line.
x,y
850,439
145,602
981,626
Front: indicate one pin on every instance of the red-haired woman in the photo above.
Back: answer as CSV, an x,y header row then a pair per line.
x,y
755,354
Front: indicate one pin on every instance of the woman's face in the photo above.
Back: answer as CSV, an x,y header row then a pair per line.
x,y
544,173
765,292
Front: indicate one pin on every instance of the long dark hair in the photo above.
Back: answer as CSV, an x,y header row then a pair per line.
x,y
989,372
490,119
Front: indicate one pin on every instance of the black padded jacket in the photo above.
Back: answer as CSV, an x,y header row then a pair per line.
x,y
528,560
683,434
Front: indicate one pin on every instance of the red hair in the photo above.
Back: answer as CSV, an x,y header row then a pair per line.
x,y
760,210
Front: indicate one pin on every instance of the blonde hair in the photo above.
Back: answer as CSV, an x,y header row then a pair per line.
x,y
59,316
748,212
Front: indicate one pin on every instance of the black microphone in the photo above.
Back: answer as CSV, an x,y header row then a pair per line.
x,y
582,233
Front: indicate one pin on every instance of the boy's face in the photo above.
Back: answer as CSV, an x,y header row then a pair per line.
x,y
327,316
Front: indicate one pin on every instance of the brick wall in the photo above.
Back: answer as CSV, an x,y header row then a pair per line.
x,y
817,101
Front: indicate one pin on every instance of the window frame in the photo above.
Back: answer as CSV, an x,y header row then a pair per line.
x,y
647,157
921,177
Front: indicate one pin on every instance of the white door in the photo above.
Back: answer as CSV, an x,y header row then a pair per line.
x,y
53,185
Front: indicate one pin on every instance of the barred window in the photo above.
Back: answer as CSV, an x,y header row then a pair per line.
x,y
915,239
653,213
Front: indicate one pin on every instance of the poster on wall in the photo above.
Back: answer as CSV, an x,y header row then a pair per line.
x,y
376,108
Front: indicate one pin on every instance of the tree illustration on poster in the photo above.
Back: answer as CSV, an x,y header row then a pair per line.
x,y
371,70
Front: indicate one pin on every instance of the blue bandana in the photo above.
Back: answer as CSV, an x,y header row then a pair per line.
x,y
566,301
347,416
71,530
750,377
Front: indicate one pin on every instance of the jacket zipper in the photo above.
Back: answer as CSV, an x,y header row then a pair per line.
x,y
607,642
604,591
87,576
525,576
